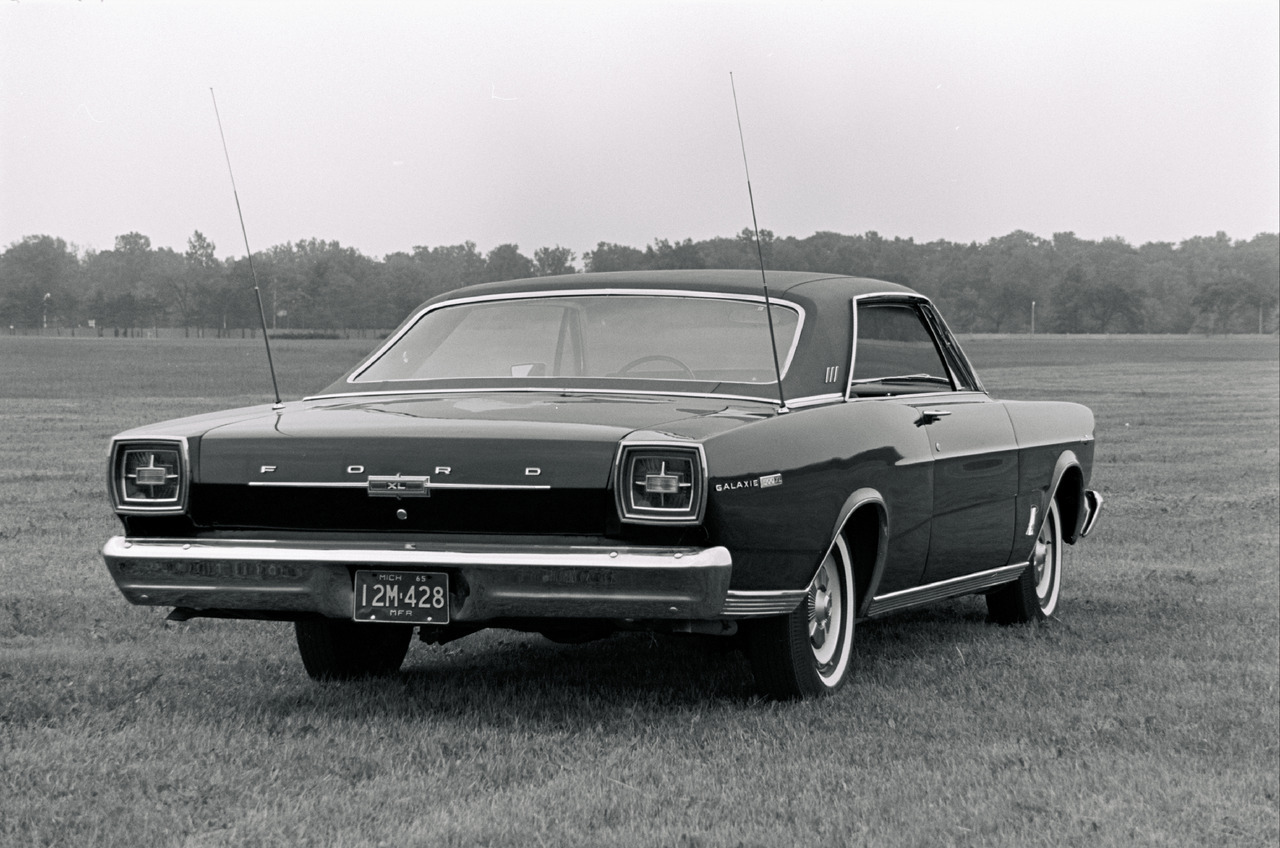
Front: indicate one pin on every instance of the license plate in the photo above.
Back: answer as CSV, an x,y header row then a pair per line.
x,y
402,597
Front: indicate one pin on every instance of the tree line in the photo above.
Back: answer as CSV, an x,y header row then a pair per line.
x,y
1209,284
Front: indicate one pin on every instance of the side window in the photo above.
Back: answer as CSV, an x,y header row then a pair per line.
x,y
961,370
895,352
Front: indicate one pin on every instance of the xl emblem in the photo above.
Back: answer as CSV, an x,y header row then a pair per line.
x,y
399,487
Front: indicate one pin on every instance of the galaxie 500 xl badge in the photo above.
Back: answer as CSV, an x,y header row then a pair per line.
x,y
766,481
398,487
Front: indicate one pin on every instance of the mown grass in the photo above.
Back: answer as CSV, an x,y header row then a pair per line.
x,y
1147,713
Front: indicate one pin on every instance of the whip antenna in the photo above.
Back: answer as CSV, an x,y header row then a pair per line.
x,y
249,253
768,306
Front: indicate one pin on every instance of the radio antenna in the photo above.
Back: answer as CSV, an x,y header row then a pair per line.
x,y
768,306
262,315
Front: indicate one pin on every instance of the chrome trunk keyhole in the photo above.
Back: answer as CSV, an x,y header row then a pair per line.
x,y
401,514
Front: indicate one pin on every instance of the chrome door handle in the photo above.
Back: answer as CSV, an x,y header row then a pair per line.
x,y
928,416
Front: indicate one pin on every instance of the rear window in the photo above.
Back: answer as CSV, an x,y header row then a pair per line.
x,y
661,337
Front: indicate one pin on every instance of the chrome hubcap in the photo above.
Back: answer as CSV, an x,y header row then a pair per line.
x,y
1045,560
825,613
1039,559
820,621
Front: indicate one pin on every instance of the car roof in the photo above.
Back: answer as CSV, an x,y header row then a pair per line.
x,y
807,284
822,351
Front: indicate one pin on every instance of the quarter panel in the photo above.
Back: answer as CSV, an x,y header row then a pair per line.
x,y
1045,430
777,487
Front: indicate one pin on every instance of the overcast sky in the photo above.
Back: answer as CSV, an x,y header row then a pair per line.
x,y
390,125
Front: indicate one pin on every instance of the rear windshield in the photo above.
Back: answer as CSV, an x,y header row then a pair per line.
x,y
651,337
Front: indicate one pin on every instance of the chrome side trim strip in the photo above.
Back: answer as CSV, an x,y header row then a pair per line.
x,y
964,585
759,604
280,484
288,484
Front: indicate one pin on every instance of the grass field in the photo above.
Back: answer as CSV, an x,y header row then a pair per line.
x,y
1147,713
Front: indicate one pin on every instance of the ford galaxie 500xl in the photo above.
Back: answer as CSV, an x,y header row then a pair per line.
x,y
589,453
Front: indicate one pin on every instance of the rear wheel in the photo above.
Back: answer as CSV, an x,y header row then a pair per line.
x,y
1034,595
807,653
344,650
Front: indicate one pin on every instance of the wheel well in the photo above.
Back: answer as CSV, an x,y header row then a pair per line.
x,y
1068,496
863,533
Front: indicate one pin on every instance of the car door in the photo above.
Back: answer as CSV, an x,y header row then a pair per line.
x,y
975,480
905,355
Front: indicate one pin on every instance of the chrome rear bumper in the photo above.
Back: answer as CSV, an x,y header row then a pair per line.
x,y
271,578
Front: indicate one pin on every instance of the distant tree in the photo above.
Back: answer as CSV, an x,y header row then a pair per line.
x,y
133,281
230,302
1235,285
1220,298
201,252
747,245
957,277
39,282
200,270
1019,267
506,262
1167,294
451,266
399,284
1099,297
733,252
333,285
1259,260
1207,282
549,261
133,243
663,255
614,257
833,253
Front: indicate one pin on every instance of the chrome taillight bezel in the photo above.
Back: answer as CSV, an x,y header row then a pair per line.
x,y
123,502
632,513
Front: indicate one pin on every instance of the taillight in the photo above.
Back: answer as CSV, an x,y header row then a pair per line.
x,y
660,484
149,476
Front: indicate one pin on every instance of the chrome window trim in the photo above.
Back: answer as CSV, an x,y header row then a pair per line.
x,y
604,292
559,390
121,505
691,516
935,315
814,400
958,394
908,298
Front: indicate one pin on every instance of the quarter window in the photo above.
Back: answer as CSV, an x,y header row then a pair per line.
x,y
895,352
